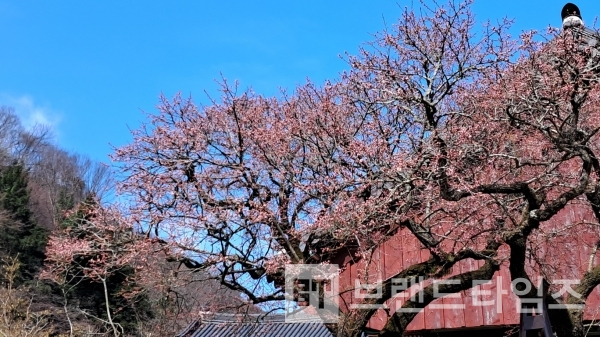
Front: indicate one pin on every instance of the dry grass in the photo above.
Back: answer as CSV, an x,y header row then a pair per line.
x,y
16,317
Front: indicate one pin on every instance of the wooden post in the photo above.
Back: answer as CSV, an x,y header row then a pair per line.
x,y
541,319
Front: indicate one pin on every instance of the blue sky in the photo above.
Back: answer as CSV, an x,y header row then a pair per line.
x,y
89,68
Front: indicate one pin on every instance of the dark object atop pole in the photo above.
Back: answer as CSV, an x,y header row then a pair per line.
x,y
588,38
570,10
571,16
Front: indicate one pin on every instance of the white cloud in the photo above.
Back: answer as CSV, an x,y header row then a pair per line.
x,y
30,112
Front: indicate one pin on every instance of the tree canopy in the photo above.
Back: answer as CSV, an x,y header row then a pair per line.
x,y
471,140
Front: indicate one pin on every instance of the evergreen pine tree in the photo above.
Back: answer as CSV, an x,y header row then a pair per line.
x,y
19,234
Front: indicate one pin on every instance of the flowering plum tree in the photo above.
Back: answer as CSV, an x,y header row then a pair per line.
x,y
97,246
130,283
469,140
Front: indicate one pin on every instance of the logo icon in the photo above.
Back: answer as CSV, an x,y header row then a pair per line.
x,y
312,293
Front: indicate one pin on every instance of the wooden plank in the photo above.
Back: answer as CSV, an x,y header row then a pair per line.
x,y
510,301
592,308
370,273
492,310
345,287
454,306
434,313
418,323
393,255
411,256
412,250
473,311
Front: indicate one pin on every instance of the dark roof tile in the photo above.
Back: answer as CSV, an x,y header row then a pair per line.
x,y
222,325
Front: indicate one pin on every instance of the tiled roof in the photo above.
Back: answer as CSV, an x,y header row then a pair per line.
x,y
252,326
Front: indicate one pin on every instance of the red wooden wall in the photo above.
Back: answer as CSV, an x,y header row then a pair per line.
x,y
570,249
